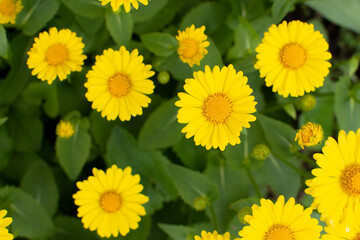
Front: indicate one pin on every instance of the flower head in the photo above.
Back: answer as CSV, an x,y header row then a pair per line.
x,y
115,4
4,222
213,236
293,58
336,186
110,202
216,106
56,54
8,10
117,84
260,152
311,134
65,129
280,221
192,45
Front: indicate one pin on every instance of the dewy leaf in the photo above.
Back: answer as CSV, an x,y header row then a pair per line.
x,y
120,26
74,151
86,8
161,129
30,220
3,43
161,44
192,184
39,182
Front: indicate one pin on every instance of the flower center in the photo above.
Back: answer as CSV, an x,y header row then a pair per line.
x,y
357,237
7,7
119,85
217,108
189,48
110,201
279,232
57,54
306,135
293,55
350,180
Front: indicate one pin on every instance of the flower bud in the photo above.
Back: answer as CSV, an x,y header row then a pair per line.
x,y
307,102
200,203
311,134
163,77
260,152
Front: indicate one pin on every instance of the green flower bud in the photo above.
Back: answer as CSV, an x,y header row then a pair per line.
x,y
243,212
260,152
307,102
200,203
163,77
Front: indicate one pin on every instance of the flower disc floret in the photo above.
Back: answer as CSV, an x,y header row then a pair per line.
x,y
56,54
216,106
9,9
293,58
116,4
118,83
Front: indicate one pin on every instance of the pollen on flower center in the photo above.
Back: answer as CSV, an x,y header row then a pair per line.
x,y
56,54
217,108
279,232
293,55
189,48
350,180
119,85
110,201
7,7
357,237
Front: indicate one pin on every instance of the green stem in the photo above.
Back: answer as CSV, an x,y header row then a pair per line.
x,y
253,182
213,216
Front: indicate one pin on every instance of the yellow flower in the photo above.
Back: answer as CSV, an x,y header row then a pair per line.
x,y
216,107
311,134
336,186
117,84
111,202
293,58
115,4
56,54
8,10
280,221
4,222
192,45
65,129
213,236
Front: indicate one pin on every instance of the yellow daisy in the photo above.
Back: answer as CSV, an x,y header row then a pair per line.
x,y
213,236
192,45
115,4
216,106
117,84
8,10
111,202
336,186
56,54
311,134
65,129
4,222
293,58
280,221
347,231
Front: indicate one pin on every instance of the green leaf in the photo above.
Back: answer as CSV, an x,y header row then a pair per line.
x,y
38,15
161,44
74,151
177,232
120,26
290,110
192,184
3,43
6,147
86,8
71,228
244,202
30,220
123,150
280,8
191,155
336,11
39,182
212,58
161,129
100,129
147,12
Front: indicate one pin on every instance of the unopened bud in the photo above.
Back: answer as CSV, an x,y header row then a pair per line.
x,y
260,152
311,134
200,203
243,212
163,77
307,102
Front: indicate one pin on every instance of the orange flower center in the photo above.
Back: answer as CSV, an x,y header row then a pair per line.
x,y
357,237
217,108
293,55
189,48
7,7
279,232
56,54
119,85
350,180
110,201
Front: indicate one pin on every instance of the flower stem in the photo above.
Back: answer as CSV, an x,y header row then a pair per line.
x,y
213,216
253,182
